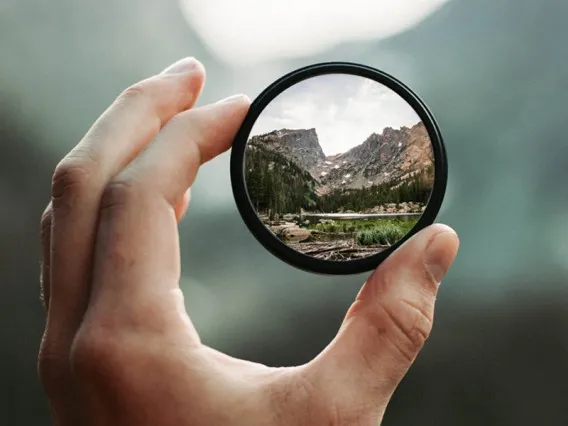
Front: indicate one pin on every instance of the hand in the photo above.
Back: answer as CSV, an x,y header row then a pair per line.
x,y
119,348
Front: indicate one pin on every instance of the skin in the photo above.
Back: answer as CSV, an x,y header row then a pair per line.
x,y
119,347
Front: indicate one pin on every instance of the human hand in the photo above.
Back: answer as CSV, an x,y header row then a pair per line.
x,y
119,348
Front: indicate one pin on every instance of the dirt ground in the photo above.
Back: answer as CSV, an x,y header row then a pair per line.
x,y
336,250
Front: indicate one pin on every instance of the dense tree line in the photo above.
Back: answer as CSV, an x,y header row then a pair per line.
x,y
416,189
277,185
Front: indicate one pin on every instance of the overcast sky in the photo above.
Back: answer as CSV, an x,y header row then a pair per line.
x,y
344,109
249,31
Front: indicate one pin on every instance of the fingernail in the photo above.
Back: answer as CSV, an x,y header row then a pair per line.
x,y
233,99
181,66
440,254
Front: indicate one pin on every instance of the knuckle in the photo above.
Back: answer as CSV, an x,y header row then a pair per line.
x,y
138,92
94,351
52,365
44,296
412,325
70,180
420,323
45,222
117,195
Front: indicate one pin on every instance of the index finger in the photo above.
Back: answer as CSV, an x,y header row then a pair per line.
x,y
137,250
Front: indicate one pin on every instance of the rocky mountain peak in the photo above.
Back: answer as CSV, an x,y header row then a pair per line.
x,y
394,155
300,145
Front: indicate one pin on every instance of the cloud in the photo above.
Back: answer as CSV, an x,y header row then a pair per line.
x,y
344,109
249,31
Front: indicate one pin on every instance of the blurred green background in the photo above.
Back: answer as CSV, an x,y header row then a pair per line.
x,y
495,73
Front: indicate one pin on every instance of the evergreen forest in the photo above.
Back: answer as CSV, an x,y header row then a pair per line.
x,y
276,184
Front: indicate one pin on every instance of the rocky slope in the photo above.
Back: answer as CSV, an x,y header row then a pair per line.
x,y
300,146
395,155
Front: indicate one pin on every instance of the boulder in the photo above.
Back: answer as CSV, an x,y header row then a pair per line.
x,y
296,235
279,228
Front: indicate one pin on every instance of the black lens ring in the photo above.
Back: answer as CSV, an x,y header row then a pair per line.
x,y
270,241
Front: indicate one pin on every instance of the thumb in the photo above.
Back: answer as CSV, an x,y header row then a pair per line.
x,y
388,323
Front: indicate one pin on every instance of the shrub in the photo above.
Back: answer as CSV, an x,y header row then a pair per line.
x,y
387,234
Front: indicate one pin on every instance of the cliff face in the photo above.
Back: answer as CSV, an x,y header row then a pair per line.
x,y
300,146
395,155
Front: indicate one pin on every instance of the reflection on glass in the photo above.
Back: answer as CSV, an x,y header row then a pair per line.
x,y
339,167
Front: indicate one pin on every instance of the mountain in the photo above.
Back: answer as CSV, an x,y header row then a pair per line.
x,y
393,156
275,181
300,146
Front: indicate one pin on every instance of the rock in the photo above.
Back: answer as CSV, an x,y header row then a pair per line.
x,y
300,145
296,235
289,217
278,229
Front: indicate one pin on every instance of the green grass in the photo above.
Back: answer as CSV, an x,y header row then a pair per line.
x,y
360,225
385,235
370,231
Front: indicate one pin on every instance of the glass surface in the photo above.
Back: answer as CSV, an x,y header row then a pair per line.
x,y
339,167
